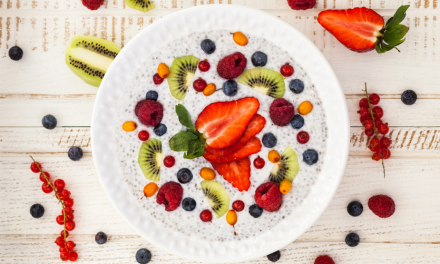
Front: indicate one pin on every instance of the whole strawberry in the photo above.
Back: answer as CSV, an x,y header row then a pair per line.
x,y
92,4
268,196
301,4
232,66
382,206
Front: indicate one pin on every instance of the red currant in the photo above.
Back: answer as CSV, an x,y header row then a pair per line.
x,y
60,241
381,152
206,216
369,132
259,163
46,188
383,129
303,137
287,70
374,144
60,219
363,102
144,135
388,155
73,256
70,245
375,157
59,184
70,225
204,66
69,217
64,193
65,256
369,124
199,85
365,119
385,142
169,161
68,202
157,79
377,112
374,98
67,210
378,122
62,233
238,205
42,176
364,111
63,249
34,167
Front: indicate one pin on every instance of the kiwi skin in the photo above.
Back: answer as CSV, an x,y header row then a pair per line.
x,y
141,5
265,81
150,159
215,193
178,81
287,169
89,57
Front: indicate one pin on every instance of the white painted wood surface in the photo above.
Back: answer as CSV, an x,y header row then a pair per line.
x,y
41,83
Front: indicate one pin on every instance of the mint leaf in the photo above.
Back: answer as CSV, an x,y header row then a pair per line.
x,y
393,36
184,117
196,148
179,142
398,17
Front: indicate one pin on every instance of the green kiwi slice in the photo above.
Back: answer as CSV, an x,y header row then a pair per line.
x,y
182,72
141,5
265,81
287,169
217,196
150,158
89,57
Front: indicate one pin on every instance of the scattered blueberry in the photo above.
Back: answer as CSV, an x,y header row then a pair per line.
x,y
75,153
355,208
49,122
152,95
409,97
352,239
255,211
160,130
274,257
208,46
189,204
297,122
37,210
296,86
230,87
310,156
143,256
184,175
269,140
15,53
101,238
259,59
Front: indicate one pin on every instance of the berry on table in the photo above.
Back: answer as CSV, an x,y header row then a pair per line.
x,y
297,122
324,259
143,256
157,79
129,126
69,217
15,53
209,89
189,204
255,211
169,161
259,163
269,140
65,256
206,216
70,245
303,137
382,205
377,112
160,130
409,97
383,129
37,210
207,173
92,4
296,86
286,70
184,175
364,111
274,257
378,122
385,142
204,66
59,184
150,189
63,249
310,156
369,132
42,178
75,153
100,238
238,205
73,256
144,135
301,4
365,119
199,85
60,241
369,124
375,157
67,210
49,122
273,156
363,102
305,108
381,152
152,95
70,225
285,186
60,219
355,208
230,88
163,70
208,46
231,217
374,98
34,167
374,144
240,38
352,239
259,59
46,188
388,155
68,202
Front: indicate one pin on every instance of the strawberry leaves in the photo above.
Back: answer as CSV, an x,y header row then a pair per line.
x,y
393,32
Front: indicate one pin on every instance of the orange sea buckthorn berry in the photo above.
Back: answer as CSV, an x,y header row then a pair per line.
x,y
163,70
129,126
207,173
150,189
273,156
231,217
285,186
305,107
240,38
209,90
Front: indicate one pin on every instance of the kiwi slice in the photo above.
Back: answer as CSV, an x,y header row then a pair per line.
x,y
182,72
89,57
265,81
287,169
217,196
150,158
141,5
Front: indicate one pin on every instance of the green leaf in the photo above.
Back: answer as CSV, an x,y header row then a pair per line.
x,y
179,142
394,35
398,17
379,48
184,117
196,149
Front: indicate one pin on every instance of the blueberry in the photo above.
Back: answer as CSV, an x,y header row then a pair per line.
x,y
352,239
355,208
259,59
160,130
75,153
310,156
208,46
297,122
255,211
37,210
274,257
230,87
409,97
152,95
143,256
189,204
296,86
49,122
184,175
269,140
15,53
100,238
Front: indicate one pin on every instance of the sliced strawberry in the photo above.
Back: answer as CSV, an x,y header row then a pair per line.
x,y
252,146
255,126
237,173
223,123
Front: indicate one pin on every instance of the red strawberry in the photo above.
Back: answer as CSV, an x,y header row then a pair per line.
x,y
253,146
362,29
255,126
223,123
92,4
237,173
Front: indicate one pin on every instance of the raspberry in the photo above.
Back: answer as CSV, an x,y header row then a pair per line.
x,y
232,66
92,4
281,112
324,260
149,112
382,206
170,194
301,4
268,196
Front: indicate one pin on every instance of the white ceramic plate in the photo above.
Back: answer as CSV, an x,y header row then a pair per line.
x,y
233,18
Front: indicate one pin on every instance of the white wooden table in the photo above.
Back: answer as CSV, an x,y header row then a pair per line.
x,y
42,84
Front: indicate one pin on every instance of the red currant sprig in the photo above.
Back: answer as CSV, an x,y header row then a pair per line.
x,y
63,196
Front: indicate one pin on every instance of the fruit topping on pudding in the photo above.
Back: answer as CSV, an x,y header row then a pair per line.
x,y
281,112
237,173
268,196
287,168
217,197
170,195
265,81
149,112
232,66
252,146
150,158
182,72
